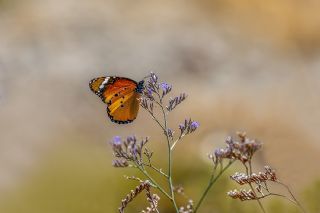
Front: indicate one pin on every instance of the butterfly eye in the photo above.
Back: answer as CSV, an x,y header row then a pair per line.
x,y
116,95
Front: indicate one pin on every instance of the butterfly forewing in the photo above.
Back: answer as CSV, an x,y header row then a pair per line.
x,y
96,84
118,88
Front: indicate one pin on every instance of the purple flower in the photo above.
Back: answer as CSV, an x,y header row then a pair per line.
x,y
165,86
169,132
194,125
117,141
219,152
149,92
181,127
131,140
173,102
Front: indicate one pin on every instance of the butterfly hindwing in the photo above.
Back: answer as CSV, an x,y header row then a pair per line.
x,y
124,110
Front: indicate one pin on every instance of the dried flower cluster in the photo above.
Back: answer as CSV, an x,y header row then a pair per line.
x,y
188,208
179,190
260,180
129,150
188,127
143,186
243,194
261,177
174,102
166,88
242,150
259,184
155,92
153,200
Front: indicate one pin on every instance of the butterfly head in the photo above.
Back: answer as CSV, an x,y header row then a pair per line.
x,y
140,86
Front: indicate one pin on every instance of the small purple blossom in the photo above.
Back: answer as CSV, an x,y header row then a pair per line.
x,y
218,152
169,132
181,126
117,141
194,125
174,102
129,150
188,126
165,86
151,87
242,150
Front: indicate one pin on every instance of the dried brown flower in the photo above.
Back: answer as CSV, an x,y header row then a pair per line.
x,y
242,195
134,193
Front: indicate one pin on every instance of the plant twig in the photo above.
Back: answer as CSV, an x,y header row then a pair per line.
x,y
169,161
249,171
293,197
154,182
212,180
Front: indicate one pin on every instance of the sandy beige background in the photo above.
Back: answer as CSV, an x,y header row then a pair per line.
x,y
247,65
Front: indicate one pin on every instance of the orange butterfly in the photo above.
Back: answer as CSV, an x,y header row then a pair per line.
x,y
121,96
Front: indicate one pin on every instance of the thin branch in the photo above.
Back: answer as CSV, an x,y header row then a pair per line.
x,y
176,141
154,182
156,169
210,183
169,161
155,119
164,128
293,197
250,184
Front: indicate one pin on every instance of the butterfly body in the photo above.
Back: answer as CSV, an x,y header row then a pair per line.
x,y
121,96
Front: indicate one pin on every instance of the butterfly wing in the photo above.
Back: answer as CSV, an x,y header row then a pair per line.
x,y
124,110
120,95
98,85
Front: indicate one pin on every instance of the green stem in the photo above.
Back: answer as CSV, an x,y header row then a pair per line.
x,y
155,119
249,172
169,161
293,197
176,141
157,170
154,182
164,128
212,180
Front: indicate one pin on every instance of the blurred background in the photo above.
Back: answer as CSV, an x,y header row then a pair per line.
x,y
246,65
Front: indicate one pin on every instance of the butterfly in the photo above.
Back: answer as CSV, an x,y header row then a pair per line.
x,y
121,96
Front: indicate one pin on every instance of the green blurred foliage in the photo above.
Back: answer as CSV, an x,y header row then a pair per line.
x,y
311,197
5,4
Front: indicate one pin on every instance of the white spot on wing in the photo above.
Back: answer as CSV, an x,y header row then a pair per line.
x,y
104,82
